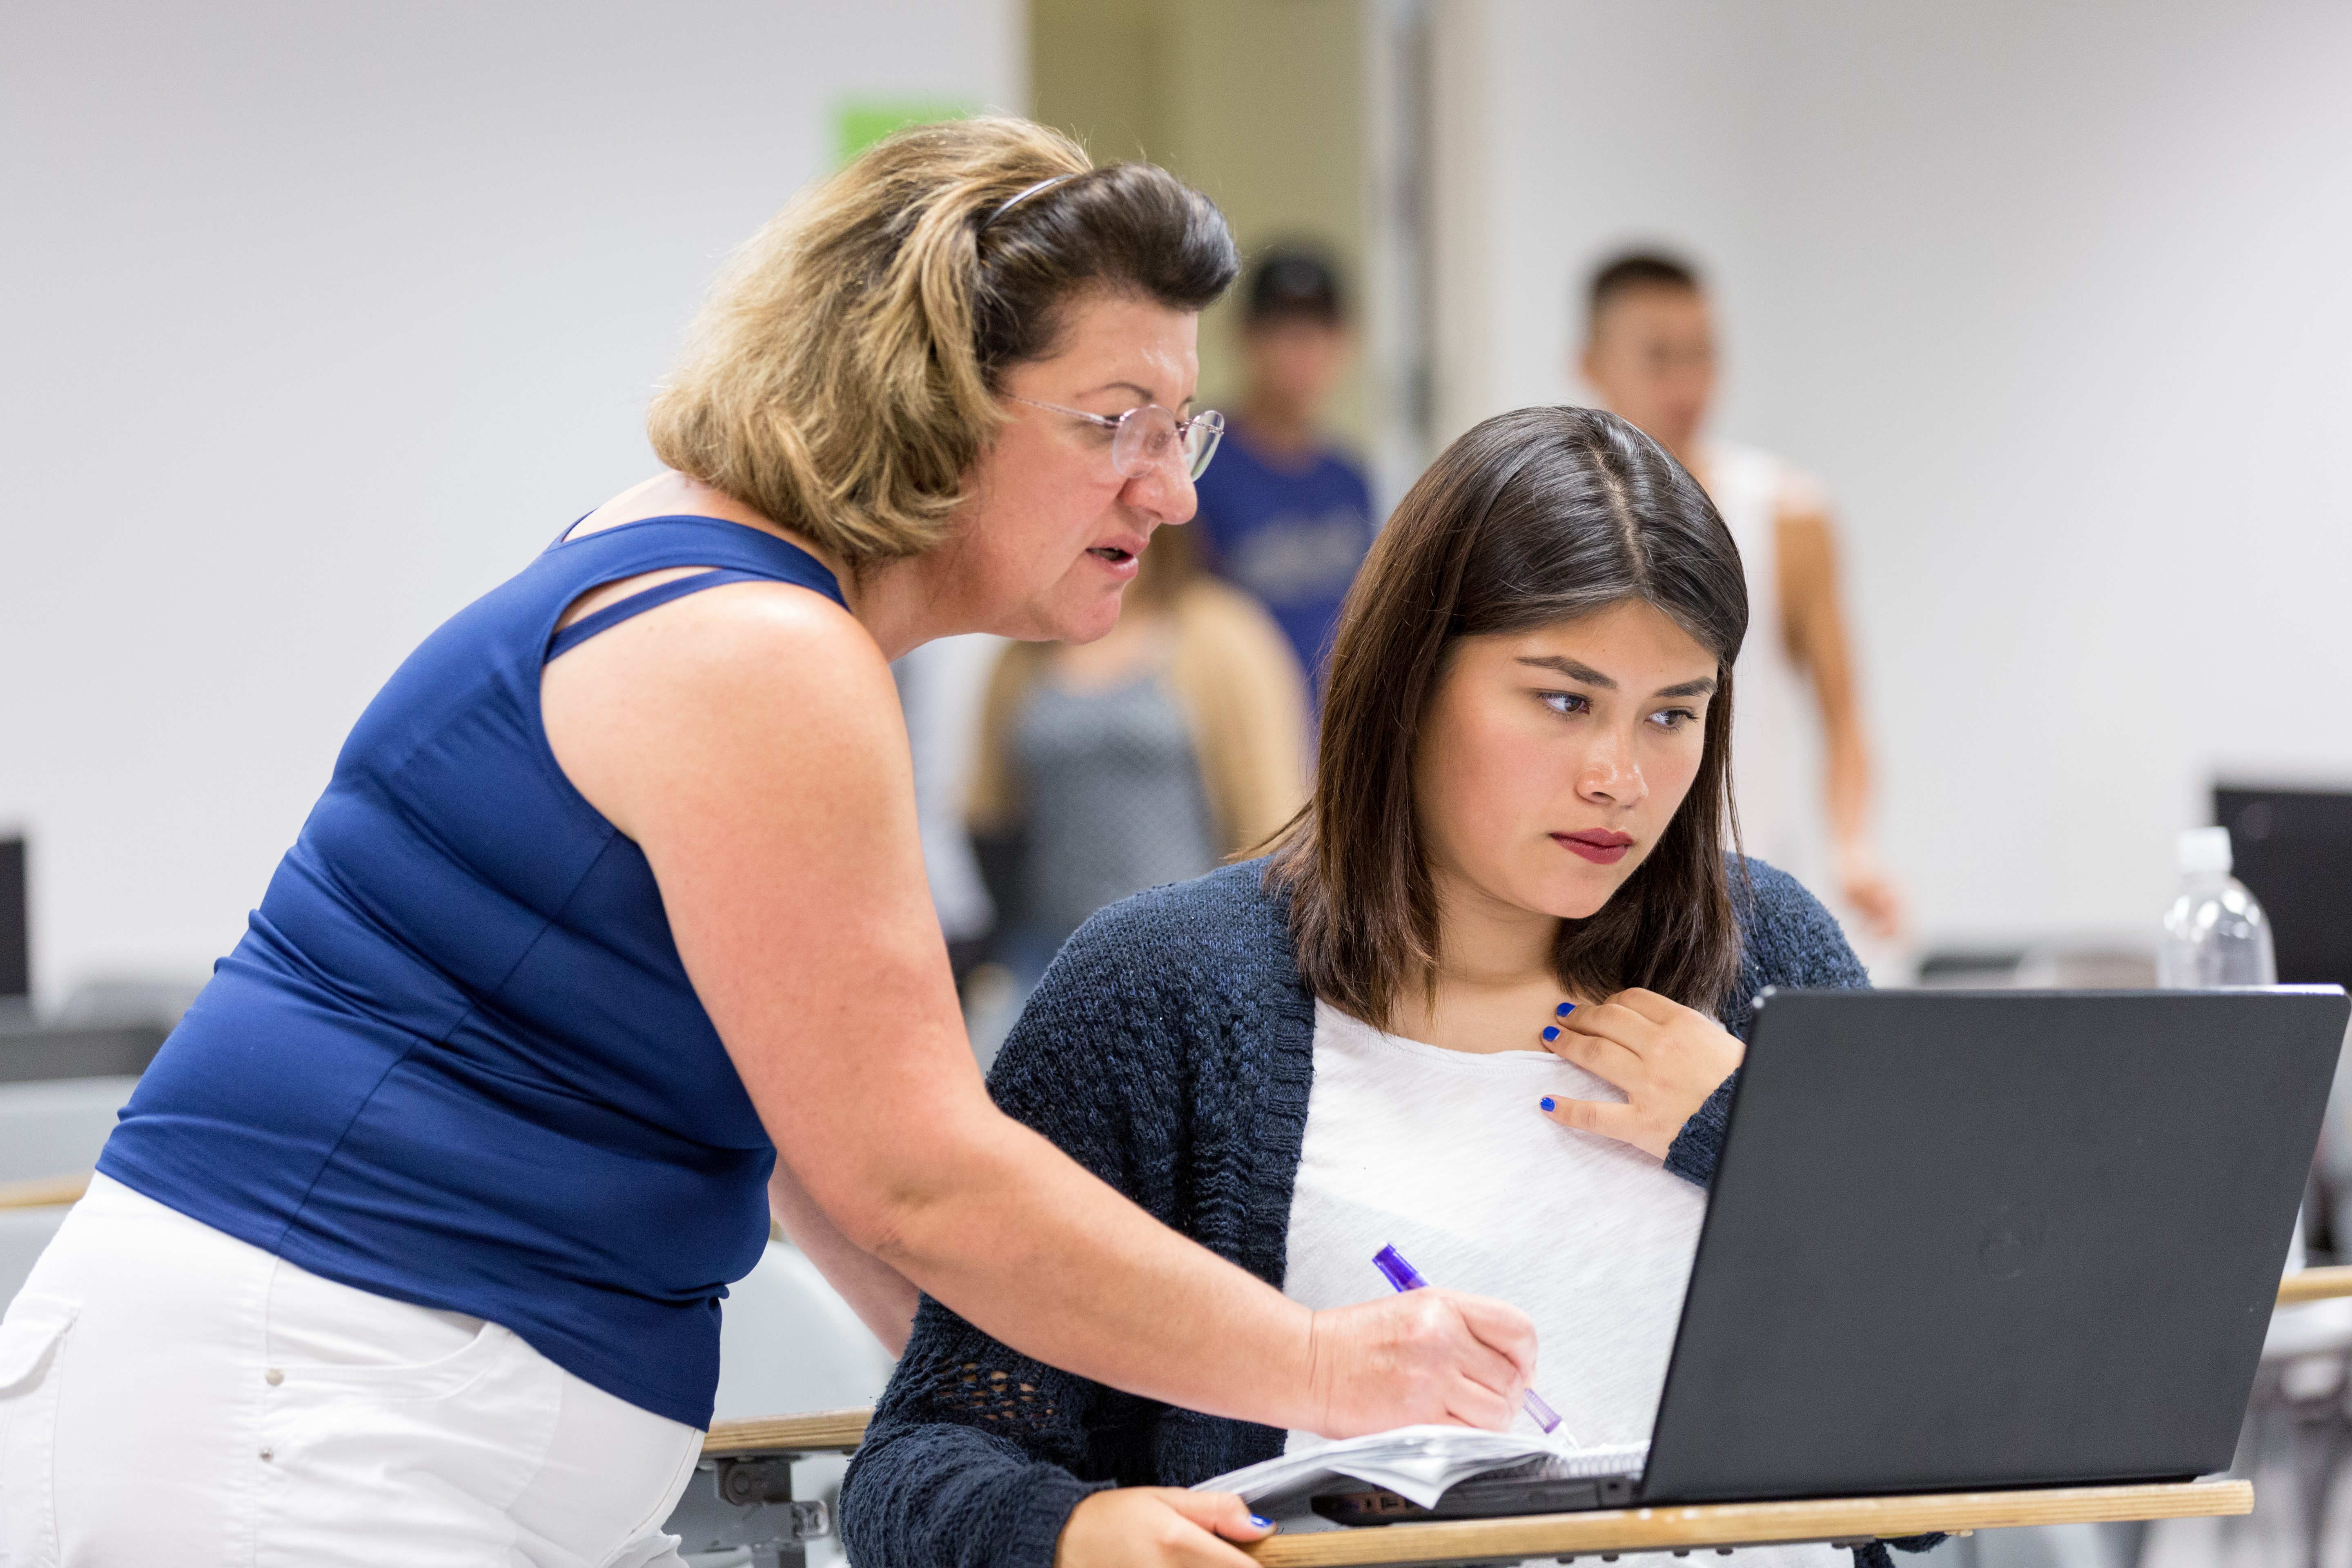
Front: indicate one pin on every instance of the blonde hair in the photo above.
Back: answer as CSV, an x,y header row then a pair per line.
x,y
843,375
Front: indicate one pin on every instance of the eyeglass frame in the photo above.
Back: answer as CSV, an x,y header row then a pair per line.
x,y
1208,419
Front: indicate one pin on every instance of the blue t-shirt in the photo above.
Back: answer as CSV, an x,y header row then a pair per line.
x,y
1292,537
456,1059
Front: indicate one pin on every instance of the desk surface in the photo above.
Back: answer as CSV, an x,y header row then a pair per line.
x,y
1621,1530
1744,1524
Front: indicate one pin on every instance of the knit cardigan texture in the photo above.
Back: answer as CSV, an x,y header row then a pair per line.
x,y
1170,1051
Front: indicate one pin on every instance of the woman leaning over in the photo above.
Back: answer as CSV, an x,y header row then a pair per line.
x,y
1483,1002
611,928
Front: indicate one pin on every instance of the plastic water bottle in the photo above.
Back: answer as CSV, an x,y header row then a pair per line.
x,y
2214,933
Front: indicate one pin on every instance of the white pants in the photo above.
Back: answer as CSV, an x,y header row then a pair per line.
x,y
172,1395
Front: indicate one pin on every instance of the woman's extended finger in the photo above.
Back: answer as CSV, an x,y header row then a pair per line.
x,y
1605,1117
1614,1021
1597,1054
1222,1514
1157,1526
1649,1005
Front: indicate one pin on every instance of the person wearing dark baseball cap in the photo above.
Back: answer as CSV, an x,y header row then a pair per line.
x,y
1287,515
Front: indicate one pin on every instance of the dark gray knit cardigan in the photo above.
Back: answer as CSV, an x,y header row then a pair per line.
x,y
1168,1049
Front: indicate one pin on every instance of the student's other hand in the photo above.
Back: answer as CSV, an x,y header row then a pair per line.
x,y
1157,1526
1420,1356
1665,1056
1873,893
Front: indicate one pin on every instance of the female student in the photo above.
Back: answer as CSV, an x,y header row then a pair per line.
x,y
411,1244
1483,1002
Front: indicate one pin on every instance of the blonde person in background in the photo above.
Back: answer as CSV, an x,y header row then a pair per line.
x,y
1146,756
1649,354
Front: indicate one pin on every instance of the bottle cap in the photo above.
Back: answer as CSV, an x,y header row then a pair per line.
x,y
2205,850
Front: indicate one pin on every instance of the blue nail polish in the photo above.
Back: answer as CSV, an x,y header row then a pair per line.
x,y
1551,1032
1564,1009
1548,1103
1257,1523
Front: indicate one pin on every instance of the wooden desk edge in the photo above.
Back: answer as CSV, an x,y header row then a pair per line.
x,y
2316,1285
1748,1524
44,1192
821,1432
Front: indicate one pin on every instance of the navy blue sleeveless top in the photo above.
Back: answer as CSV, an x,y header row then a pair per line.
x,y
455,1059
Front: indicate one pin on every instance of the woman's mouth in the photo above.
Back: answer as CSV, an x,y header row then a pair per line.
x,y
1596,845
1120,558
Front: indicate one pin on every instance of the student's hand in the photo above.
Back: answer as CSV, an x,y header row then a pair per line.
x,y
1665,1056
1873,893
1419,1356
1157,1526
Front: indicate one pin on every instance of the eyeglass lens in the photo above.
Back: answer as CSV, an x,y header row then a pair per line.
x,y
1148,438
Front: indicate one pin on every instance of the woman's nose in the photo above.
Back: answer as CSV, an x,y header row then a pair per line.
x,y
1164,492
1611,774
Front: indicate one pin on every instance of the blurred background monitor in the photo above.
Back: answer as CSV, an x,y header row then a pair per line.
x,y
16,927
2293,848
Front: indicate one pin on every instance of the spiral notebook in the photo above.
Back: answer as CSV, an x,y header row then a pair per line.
x,y
1420,1463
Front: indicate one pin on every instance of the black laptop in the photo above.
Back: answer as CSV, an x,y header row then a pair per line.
x,y
1974,1239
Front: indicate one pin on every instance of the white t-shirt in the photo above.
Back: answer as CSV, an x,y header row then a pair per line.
x,y
1445,1155
1776,733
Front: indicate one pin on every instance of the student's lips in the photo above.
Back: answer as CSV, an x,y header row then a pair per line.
x,y
1601,848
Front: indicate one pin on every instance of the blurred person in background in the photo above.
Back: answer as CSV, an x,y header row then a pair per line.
x,y
1146,756
1649,354
1285,514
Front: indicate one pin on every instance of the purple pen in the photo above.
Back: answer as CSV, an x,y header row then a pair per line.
x,y
1405,1276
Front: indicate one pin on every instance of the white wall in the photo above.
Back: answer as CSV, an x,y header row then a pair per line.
x,y
2058,300
316,322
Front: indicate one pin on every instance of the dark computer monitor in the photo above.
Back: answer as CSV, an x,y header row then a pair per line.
x,y
15,924
2293,848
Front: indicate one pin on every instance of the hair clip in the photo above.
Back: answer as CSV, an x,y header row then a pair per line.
x,y
1040,187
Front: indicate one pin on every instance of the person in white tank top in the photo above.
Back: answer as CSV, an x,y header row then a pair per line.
x,y
1801,761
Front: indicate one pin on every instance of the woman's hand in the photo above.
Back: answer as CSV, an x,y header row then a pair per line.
x,y
1150,1527
1420,1356
1665,1056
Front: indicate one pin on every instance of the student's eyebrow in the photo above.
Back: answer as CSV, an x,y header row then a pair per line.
x,y
1703,686
1573,670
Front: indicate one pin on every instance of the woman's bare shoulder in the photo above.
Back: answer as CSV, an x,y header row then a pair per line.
x,y
741,681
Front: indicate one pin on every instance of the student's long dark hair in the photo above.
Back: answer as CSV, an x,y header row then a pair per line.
x,y
1535,517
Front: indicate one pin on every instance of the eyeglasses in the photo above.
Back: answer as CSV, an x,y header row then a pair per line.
x,y
1149,436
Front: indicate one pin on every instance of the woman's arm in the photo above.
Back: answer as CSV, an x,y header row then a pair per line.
x,y
1814,622
883,1299
748,739
978,1454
